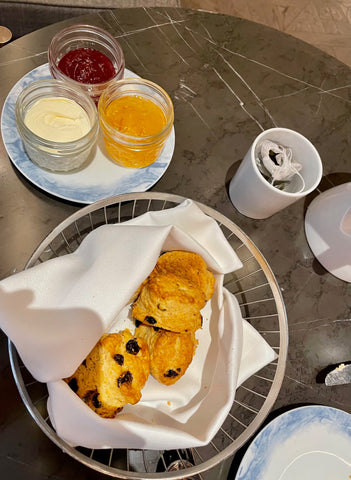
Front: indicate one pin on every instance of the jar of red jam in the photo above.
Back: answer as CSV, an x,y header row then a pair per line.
x,y
86,56
136,118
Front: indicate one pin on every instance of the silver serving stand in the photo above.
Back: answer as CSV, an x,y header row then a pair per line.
x,y
261,303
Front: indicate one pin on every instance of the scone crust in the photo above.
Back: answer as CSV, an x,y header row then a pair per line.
x,y
187,265
113,374
170,353
170,302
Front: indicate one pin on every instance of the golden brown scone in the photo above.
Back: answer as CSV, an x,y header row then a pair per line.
x,y
113,374
187,265
170,302
81,382
170,353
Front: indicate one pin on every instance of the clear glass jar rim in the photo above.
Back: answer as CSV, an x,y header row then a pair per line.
x,y
82,27
30,136
124,137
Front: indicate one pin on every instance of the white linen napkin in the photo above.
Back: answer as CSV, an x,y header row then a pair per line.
x,y
55,312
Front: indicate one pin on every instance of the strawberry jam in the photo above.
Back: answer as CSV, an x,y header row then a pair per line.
x,y
87,65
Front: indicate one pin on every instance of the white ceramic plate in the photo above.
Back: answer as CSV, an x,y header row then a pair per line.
x,y
307,443
100,178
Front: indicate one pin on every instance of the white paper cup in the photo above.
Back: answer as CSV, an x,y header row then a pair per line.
x,y
253,196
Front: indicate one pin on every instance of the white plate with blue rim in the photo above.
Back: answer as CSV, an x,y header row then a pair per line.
x,y
99,178
306,443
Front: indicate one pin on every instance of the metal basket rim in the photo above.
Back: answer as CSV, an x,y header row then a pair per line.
x,y
279,373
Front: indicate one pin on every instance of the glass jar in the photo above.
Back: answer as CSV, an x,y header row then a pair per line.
x,y
133,150
82,36
56,155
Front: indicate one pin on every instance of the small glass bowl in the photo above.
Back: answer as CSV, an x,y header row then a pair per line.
x,y
133,151
85,36
53,155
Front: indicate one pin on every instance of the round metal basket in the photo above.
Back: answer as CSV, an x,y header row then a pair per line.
x,y
261,304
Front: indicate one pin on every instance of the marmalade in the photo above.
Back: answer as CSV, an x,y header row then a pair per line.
x,y
139,117
136,116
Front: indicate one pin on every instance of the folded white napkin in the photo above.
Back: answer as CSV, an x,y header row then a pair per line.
x,y
55,312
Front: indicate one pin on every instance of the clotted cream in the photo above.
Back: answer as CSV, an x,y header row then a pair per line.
x,y
57,119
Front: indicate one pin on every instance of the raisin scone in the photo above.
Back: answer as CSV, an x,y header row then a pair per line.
x,y
113,374
170,353
170,302
187,265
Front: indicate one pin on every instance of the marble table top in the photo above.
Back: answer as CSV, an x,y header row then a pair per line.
x,y
229,80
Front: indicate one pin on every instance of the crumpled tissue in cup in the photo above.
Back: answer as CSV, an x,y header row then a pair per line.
x,y
277,165
254,196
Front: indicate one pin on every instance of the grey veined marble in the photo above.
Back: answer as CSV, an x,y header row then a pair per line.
x,y
229,80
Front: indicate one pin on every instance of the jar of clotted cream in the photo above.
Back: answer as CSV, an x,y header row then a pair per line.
x,y
58,124
136,117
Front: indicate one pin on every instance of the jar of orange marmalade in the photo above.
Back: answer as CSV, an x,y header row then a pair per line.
x,y
136,117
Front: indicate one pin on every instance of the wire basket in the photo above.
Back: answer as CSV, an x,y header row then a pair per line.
x,y
261,304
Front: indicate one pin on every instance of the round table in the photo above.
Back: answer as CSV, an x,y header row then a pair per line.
x,y
229,79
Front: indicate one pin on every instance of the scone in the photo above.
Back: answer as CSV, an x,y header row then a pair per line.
x,y
113,374
187,265
170,302
170,353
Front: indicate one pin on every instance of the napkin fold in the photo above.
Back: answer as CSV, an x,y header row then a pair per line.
x,y
55,312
